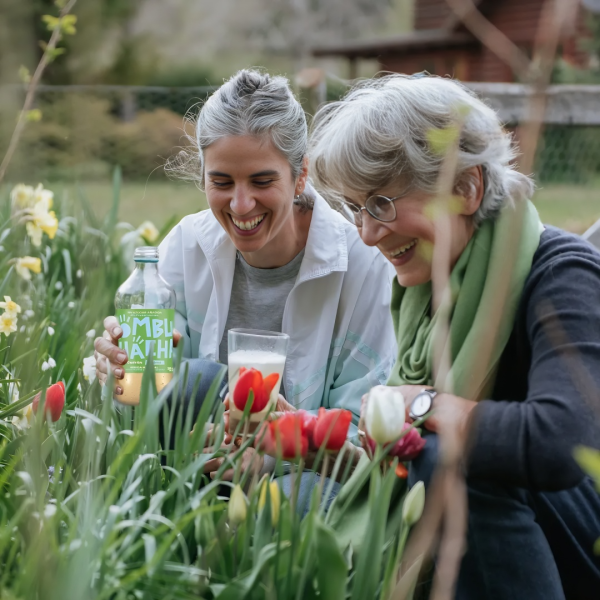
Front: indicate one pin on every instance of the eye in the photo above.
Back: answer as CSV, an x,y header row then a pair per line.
x,y
220,184
263,182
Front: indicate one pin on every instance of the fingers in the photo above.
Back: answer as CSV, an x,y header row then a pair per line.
x,y
283,405
176,337
111,325
110,350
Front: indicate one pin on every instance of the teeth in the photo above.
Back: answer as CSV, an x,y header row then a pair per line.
x,y
248,225
402,249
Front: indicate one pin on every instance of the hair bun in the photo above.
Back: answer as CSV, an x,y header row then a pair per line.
x,y
247,82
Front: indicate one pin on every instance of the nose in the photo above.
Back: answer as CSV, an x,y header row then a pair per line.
x,y
241,202
372,230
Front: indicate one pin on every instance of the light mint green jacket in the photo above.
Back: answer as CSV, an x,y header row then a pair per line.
x,y
337,315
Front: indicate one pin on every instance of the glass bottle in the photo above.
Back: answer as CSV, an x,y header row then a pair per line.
x,y
145,305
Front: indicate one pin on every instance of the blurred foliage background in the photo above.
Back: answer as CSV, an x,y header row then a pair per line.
x,y
117,95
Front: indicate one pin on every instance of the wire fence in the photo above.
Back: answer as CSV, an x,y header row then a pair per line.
x,y
85,131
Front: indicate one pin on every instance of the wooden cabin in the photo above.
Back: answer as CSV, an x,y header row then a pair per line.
x,y
441,45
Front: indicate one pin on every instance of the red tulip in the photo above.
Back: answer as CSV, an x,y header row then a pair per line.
x,y
331,428
252,380
309,421
55,401
407,447
285,436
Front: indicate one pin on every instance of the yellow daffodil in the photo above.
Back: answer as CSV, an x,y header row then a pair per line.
x,y
22,196
24,418
275,500
42,219
8,323
27,265
148,231
236,510
10,306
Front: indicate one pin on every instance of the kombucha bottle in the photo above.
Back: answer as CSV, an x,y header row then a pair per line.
x,y
145,305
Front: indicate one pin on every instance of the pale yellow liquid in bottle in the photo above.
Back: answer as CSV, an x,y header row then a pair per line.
x,y
132,385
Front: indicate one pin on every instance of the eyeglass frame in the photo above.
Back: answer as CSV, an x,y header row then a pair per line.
x,y
357,210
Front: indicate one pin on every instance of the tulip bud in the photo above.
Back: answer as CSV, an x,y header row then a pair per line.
x,y
384,414
275,500
237,510
414,502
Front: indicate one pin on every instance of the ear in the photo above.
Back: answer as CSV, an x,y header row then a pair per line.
x,y
301,181
470,187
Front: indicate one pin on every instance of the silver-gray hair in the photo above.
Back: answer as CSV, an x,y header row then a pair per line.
x,y
379,134
249,103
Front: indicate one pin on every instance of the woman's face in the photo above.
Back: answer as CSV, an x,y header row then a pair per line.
x,y
250,190
407,242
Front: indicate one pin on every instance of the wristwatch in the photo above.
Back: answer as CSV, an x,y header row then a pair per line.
x,y
421,404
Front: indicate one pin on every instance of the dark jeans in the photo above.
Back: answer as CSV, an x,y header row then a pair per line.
x,y
525,544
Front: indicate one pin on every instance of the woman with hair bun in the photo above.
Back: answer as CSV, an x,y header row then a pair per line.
x,y
270,254
533,516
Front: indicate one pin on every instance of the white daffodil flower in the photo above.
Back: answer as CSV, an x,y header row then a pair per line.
x,y
27,265
384,414
148,231
50,331
91,334
89,368
8,323
22,196
10,307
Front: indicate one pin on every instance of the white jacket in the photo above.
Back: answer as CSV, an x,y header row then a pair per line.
x,y
337,315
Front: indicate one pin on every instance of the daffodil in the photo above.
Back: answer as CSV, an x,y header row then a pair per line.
x,y
40,193
10,307
236,510
148,231
22,196
8,323
41,218
23,419
89,368
27,265
275,500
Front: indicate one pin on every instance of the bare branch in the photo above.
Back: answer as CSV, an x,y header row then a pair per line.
x,y
16,136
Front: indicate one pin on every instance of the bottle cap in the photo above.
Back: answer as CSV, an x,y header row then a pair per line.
x,y
146,254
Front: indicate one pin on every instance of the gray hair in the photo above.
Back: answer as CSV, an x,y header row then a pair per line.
x,y
379,134
250,103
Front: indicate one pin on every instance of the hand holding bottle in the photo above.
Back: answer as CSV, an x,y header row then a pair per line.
x,y
109,357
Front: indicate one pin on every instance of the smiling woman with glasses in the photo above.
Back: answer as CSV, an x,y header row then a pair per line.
x,y
533,516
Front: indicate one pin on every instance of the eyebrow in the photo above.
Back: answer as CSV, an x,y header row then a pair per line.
x,y
259,174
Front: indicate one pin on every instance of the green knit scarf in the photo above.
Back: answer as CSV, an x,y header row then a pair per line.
x,y
471,307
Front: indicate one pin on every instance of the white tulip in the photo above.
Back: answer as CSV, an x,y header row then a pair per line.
x,y
384,414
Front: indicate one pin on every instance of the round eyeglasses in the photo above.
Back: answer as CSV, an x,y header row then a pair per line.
x,y
379,207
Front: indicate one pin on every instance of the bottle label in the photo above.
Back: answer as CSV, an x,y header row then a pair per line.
x,y
145,331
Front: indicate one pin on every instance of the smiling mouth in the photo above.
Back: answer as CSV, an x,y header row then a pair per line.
x,y
402,249
248,225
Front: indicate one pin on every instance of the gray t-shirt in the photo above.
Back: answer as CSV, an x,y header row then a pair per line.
x,y
258,297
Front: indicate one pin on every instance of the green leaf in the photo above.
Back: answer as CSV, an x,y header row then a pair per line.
x,y
239,589
332,570
441,140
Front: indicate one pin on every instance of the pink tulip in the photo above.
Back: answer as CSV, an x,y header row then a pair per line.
x,y
407,447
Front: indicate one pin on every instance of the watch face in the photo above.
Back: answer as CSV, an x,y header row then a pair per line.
x,y
421,405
